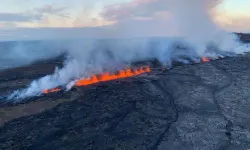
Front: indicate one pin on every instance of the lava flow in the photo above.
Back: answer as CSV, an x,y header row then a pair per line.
x,y
205,59
105,77
51,90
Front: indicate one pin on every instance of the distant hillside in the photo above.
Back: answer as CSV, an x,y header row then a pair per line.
x,y
244,37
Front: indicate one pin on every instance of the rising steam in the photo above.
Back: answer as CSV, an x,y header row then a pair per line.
x,y
200,36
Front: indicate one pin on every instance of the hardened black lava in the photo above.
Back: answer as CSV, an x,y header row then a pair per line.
x,y
189,103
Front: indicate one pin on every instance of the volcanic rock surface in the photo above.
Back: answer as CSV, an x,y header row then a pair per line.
x,y
201,106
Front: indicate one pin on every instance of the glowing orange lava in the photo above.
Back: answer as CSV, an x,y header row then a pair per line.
x,y
46,91
108,77
205,59
105,77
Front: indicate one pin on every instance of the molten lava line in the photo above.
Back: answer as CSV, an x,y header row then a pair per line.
x,y
105,77
108,77
46,91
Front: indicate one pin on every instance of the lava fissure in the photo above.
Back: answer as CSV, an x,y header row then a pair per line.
x,y
108,77
205,59
105,77
46,91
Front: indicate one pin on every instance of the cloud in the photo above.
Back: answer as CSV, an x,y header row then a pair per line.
x,y
35,15
134,9
141,18
147,9
239,24
12,17
128,19
52,10
155,14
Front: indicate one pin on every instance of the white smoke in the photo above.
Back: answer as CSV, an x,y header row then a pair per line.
x,y
192,19
196,25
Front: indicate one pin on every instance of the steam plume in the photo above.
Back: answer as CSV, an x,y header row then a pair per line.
x,y
199,35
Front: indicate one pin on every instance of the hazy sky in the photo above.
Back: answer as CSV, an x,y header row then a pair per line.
x,y
233,15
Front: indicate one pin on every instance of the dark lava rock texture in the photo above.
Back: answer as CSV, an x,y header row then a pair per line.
x,y
203,106
192,107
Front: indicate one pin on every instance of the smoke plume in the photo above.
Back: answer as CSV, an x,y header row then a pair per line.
x,y
199,36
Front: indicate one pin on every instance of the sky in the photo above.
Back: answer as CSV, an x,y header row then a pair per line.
x,y
19,18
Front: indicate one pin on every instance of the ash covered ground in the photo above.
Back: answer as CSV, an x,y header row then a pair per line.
x,y
199,106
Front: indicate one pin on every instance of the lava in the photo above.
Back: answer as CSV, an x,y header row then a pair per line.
x,y
205,59
46,91
105,77
108,77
